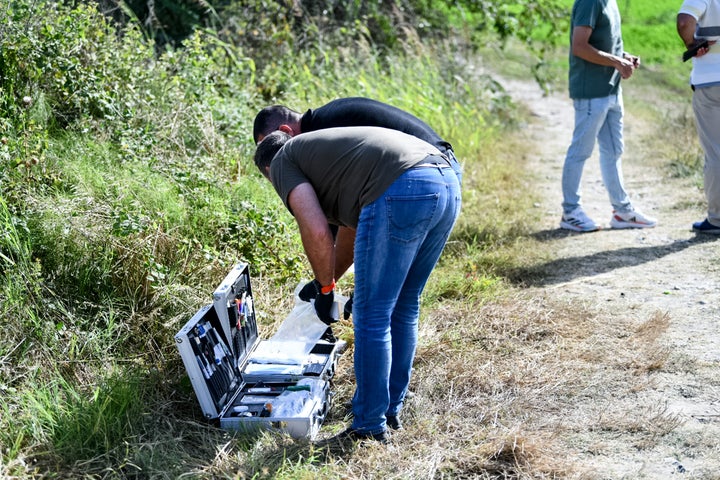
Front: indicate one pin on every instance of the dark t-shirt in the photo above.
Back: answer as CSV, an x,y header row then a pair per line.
x,y
365,112
348,167
587,79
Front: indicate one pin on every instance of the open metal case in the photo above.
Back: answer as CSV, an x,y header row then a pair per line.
x,y
217,346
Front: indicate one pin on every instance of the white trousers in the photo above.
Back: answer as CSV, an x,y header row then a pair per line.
x,y
706,105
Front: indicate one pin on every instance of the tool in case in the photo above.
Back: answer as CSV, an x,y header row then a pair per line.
x,y
248,384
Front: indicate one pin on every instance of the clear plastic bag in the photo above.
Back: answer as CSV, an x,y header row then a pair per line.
x,y
303,324
297,335
298,402
281,352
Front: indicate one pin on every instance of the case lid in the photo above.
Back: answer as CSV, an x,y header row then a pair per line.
x,y
215,341
234,305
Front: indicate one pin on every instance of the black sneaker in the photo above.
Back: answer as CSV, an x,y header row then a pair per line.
x,y
382,437
706,227
393,422
354,435
349,438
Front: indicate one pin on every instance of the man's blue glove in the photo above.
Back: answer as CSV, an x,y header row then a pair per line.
x,y
323,307
310,291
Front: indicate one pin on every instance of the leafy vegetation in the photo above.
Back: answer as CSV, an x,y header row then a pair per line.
x,y
127,192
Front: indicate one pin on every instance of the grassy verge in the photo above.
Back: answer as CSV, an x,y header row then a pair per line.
x,y
115,232
116,235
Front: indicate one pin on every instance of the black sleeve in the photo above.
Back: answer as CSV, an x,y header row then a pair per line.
x,y
365,112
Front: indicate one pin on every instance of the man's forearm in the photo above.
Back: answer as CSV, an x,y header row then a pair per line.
x,y
321,254
582,48
686,25
314,232
344,250
591,54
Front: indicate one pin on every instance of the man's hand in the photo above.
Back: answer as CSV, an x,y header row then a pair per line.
x,y
626,67
697,49
323,307
686,28
633,58
310,291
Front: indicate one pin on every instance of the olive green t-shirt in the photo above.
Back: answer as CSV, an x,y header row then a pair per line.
x,y
587,79
348,167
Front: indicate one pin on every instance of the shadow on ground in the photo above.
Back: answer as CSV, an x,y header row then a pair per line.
x,y
564,270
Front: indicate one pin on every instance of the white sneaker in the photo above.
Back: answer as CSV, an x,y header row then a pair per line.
x,y
578,221
632,219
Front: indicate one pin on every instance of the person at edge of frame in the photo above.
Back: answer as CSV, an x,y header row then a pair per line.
x,y
399,199
698,21
597,65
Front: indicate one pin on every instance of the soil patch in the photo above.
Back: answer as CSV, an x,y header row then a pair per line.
x,y
661,286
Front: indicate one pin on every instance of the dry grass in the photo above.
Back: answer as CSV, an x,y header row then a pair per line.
x,y
491,386
502,389
534,384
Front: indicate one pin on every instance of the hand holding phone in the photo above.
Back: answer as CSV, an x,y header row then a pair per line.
x,y
691,52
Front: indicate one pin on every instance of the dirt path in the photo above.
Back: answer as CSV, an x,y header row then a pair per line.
x,y
666,278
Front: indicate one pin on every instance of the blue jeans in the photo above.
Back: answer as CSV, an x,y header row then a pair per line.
x,y
398,241
598,119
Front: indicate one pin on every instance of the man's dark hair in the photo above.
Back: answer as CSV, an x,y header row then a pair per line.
x,y
270,118
267,149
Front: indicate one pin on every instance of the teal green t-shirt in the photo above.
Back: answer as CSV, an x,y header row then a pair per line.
x,y
586,79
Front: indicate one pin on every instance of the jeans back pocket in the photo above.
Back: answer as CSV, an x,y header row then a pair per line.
x,y
410,217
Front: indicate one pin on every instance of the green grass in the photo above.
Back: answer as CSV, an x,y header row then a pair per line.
x,y
115,228
124,236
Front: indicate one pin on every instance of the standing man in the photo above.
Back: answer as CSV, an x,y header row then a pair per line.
x,y
699,20
597,62
400,196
